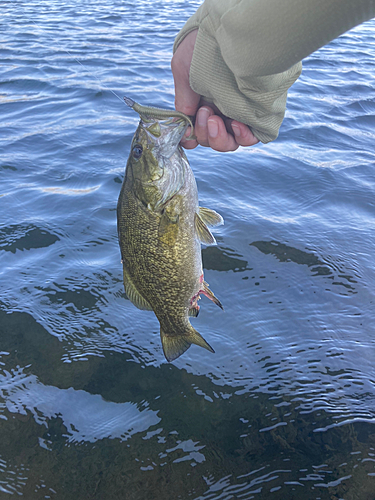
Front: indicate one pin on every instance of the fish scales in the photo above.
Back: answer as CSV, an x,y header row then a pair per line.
x,y
160,225
150,262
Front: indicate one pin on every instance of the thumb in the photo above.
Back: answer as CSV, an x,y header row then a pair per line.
x,y
186,100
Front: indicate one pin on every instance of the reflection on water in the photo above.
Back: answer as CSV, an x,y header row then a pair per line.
x,y
285,408
86,417
245,442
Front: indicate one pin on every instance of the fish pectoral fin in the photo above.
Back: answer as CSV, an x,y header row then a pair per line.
x,y
203,233
169,222
210,217
133,295
210,295
168,229
176,344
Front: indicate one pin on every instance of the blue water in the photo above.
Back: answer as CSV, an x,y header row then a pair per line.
x,y
285,408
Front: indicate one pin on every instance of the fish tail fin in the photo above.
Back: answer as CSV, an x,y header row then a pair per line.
x,y
176,344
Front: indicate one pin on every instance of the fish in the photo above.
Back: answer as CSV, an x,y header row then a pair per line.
x,y
161,227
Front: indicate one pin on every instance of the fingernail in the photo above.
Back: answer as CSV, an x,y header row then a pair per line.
x,y
202,117
213,129
236,130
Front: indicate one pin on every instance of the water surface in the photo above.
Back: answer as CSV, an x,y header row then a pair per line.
x,y
89,408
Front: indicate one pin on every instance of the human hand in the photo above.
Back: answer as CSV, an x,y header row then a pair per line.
x,y
212,128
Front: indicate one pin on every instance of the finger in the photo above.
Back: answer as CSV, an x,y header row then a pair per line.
x,y
218,137
243,135
200,127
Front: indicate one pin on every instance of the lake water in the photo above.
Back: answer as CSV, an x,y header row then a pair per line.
x,y
89,408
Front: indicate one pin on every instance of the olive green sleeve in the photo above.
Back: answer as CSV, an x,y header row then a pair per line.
x,y
248,52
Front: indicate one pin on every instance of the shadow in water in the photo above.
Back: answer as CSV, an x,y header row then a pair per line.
x,y
223,259
19,237
285,253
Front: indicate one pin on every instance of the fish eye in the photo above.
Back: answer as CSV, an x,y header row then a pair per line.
x,y
137,151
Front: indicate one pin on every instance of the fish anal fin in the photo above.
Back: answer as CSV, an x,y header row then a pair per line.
x,y
210,295
210,217
203,233
133,295
176,344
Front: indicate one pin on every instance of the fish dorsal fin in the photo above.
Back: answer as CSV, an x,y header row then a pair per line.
x,y
133,295
210,217
176,344
203,233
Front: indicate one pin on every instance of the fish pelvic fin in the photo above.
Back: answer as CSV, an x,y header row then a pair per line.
x,y
176,344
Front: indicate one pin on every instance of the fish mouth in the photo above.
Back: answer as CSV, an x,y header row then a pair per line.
x,y
164,127
149,113
165,135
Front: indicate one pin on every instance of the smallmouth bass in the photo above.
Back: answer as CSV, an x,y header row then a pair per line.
x,y
161,227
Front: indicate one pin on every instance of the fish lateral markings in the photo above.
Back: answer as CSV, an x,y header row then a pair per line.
x,y
161,227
